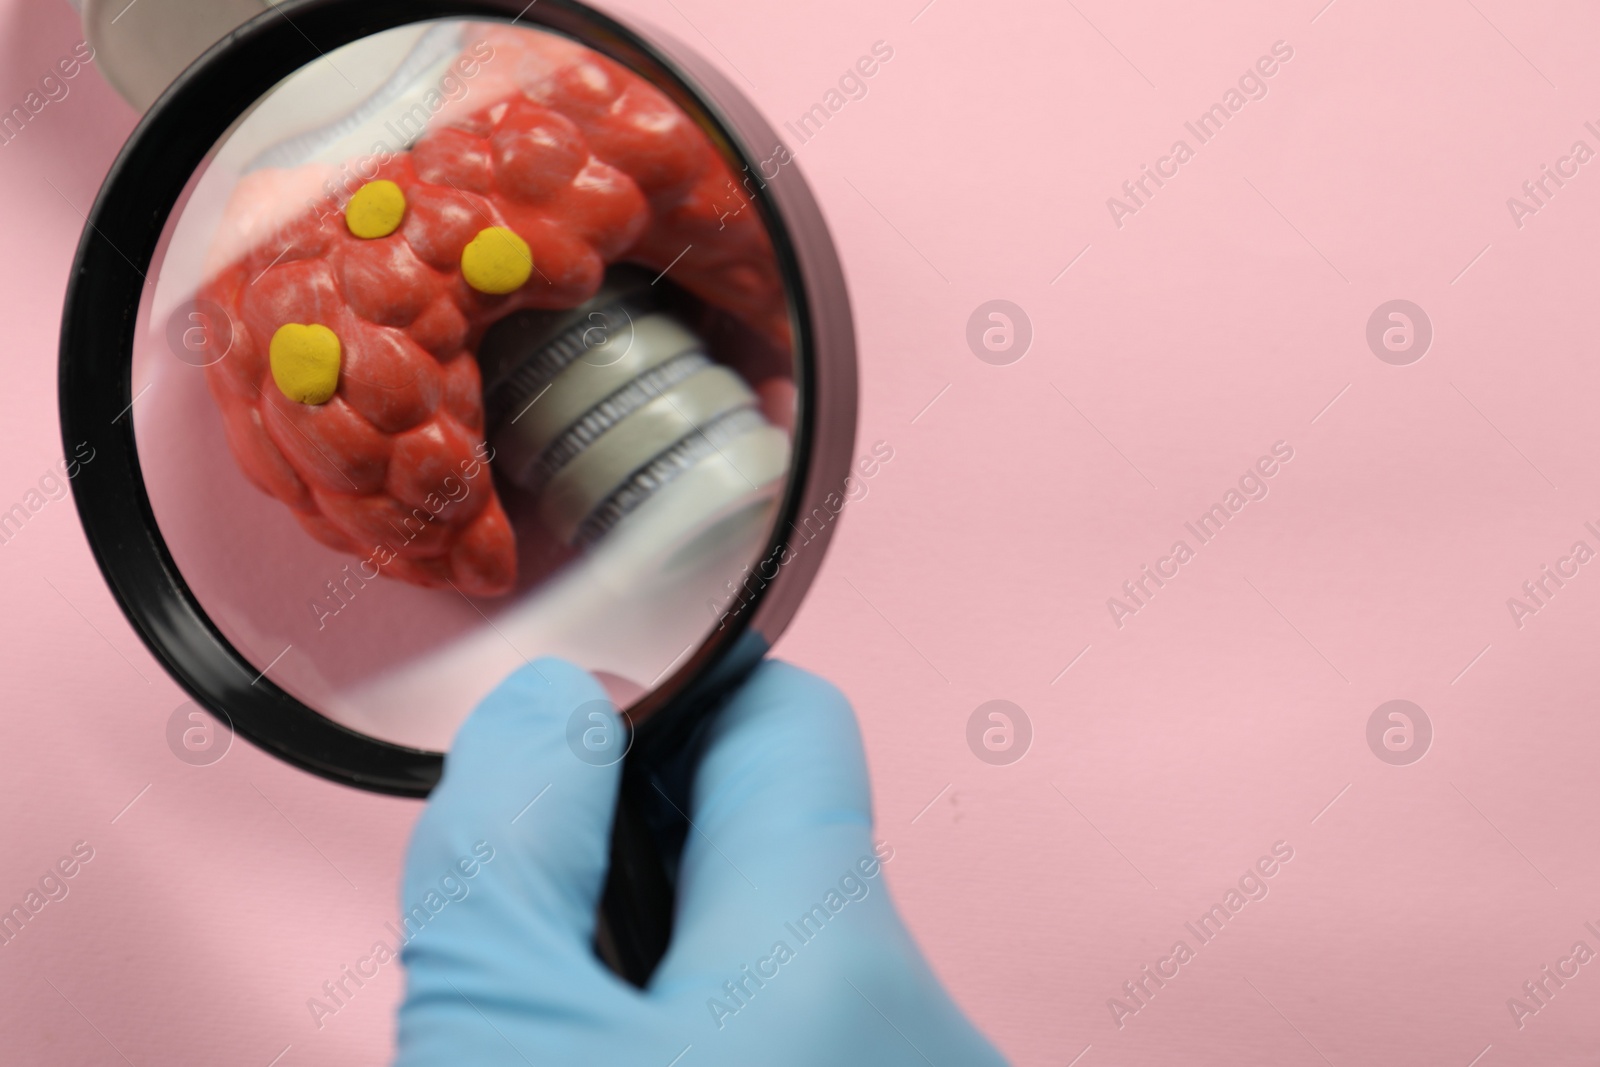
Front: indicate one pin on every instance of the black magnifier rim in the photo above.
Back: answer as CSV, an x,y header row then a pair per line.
x,y
95,384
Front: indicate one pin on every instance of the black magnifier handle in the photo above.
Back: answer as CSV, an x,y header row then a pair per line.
x,y
652,820
635,924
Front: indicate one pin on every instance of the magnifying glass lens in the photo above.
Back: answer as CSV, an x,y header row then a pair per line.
x,y
466,345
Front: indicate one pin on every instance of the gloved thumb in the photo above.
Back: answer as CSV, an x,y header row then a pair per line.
x,y
530,781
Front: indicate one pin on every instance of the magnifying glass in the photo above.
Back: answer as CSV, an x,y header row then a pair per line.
x,y
415,341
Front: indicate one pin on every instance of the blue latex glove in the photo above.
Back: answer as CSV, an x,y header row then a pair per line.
x,y
504,972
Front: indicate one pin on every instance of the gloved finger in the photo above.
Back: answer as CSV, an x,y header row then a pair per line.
x,y
780,818
529,791
780,866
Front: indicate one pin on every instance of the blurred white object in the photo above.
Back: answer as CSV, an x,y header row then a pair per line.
x,y
141,46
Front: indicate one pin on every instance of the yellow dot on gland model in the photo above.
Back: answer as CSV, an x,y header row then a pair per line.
x,y
496,261
375,210
305,362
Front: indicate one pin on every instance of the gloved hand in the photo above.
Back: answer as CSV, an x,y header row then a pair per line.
x,y
786,949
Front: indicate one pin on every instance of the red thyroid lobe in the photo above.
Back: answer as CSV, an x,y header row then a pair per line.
x,y
584,161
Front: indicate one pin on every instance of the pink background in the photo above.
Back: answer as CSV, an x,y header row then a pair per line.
x,y
1225,716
